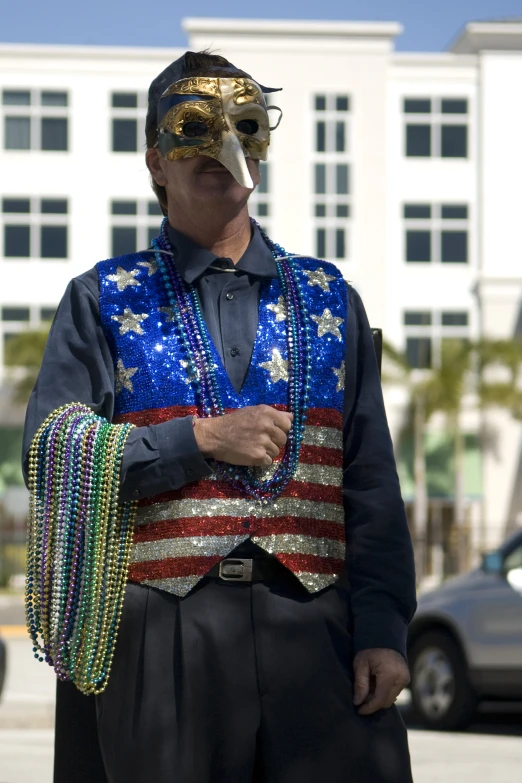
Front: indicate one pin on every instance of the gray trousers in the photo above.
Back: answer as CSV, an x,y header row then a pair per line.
x,y
242,683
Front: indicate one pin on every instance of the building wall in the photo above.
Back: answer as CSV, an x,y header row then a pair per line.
x,y
309,59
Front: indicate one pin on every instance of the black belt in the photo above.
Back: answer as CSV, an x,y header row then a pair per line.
x,y
237,569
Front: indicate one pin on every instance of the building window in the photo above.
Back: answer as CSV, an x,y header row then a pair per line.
x,y
128,121
436,233
134,224
259,201
36,120
426,330
35,228
436,127
331,207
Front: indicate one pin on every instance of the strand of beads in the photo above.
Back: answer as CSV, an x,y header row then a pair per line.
x,y
190,328
79,542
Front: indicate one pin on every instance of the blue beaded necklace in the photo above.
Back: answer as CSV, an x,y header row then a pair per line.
x,y
190,329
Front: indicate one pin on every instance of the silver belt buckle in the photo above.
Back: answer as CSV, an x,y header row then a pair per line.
x,y
235,570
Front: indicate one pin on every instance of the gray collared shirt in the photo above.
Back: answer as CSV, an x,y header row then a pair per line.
x,y
78,367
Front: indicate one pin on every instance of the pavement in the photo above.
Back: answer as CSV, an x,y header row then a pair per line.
x,y
489,752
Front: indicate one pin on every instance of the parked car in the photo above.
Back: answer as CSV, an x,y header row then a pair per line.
x,y
465,641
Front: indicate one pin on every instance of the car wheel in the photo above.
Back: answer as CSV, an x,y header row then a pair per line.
x,y
442,696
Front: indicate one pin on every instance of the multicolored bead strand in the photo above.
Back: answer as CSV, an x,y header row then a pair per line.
x,y
191,330
79,543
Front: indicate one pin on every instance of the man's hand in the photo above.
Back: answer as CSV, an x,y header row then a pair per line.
x,y
248,436
380,675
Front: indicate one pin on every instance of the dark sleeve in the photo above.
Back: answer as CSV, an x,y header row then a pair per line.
x,y
78,367
380,562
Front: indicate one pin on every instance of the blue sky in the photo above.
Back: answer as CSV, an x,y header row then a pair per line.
x,y
428,26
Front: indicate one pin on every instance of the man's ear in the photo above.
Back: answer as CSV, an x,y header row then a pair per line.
x,y
154,164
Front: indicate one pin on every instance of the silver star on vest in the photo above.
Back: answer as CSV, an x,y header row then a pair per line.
x,y
123,278
279,309
151,266
169,312
340,377
123,377
278,367
327,324
320,278
130,322
191,376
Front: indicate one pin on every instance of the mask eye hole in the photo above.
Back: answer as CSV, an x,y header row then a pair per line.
x,y
250,127
193,130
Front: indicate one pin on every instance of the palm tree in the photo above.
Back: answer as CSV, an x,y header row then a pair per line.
x,y
23,354
465,371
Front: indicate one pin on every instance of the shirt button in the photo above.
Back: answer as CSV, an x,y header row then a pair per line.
x,y
234,351
230,296
189,472
246,524
136,493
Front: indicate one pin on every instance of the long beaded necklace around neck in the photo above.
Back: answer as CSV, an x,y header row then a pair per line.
x,y
190,328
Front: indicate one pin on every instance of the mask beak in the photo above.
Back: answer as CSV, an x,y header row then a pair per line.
x,y
233,158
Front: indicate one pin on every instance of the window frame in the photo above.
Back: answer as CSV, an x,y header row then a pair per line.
x,y
437,120
437,226
35,219
36,112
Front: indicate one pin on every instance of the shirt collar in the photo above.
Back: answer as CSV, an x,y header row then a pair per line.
x,y
192,260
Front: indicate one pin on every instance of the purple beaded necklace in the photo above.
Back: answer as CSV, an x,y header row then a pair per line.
x,y
190,330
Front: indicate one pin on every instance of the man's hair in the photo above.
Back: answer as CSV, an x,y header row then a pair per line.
x,y
202,63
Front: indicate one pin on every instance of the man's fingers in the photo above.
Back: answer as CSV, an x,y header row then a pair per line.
x,y
384,696
361,686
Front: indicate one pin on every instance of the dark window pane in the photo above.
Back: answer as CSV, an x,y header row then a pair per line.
x,y
15,313
418,141
320,102
153,208
320,178
54,206
342,210
417,211
124,208
152,233
16,241
454,141
320,242
53,242
16,98
18,205
417,106
320,136
340,243
454,106
55,134
47,313
418,246
124,135
340,139
264,185
417,318
454,247
454,319
342,103
320,210
341,176
124,100
54,99
262,209
17,133
418,352
124,241
454,212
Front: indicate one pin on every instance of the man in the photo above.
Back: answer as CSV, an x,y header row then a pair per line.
x,y
238,401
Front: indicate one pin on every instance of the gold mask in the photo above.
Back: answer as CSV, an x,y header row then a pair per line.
x,y
224,118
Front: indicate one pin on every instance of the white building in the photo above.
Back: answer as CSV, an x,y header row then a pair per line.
x,y
404,169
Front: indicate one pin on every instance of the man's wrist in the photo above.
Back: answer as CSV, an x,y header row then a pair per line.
x,y
203,433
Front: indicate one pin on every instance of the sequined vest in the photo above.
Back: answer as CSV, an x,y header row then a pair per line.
x,y
181,534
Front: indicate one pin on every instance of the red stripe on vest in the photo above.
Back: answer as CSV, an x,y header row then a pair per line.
x,y
231,526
